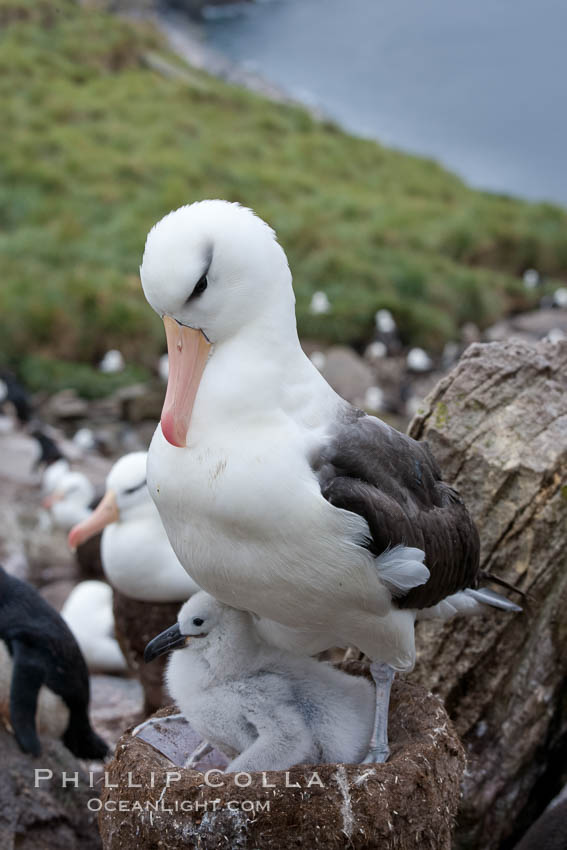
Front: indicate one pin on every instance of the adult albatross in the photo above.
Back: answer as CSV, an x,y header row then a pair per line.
x,y
278,496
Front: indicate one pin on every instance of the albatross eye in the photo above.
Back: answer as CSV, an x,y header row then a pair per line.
x,y
197,621
131,490
200,287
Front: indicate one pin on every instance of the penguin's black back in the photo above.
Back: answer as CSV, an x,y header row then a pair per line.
x,y
27,617
37,635
49,450
17,395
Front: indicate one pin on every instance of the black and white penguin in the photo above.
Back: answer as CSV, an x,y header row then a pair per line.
x,y
43,652
14,393
49,451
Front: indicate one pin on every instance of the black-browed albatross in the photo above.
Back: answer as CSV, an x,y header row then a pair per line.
x,y
278,496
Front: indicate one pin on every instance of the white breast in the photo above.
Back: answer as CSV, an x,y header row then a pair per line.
x,y
139,561
245,516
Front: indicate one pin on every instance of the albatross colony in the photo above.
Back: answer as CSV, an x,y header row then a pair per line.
x,y
279,497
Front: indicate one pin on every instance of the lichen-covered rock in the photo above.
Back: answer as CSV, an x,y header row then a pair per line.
x,y
47,816
497,424
410,802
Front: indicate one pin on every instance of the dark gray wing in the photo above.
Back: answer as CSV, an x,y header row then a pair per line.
x,y
395,483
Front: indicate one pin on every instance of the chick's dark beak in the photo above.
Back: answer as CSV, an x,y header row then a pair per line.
x,y
169,639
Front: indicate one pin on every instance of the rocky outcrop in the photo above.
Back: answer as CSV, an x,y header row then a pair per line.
x,y
47,816
407,803
498,427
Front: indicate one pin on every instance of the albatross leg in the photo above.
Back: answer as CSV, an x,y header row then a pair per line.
x,y
379,750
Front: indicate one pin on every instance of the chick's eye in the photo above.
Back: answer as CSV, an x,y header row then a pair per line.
x,y
199,288
197,621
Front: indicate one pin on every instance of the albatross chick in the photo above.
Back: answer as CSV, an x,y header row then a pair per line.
x,y
265,708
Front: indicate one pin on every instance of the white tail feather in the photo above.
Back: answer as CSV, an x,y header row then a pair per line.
x,y
402,568
495,600
467,601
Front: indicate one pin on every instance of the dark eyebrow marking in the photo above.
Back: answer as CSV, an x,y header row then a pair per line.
x,y
208,259
202,283
137,487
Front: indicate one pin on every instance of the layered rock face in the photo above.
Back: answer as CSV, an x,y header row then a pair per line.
x,y
498,427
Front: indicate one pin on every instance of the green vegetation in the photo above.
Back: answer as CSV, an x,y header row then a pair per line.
x,y
96,146
48,373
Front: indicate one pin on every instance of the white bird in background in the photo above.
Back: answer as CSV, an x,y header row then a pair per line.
x,y
88,613
385,322
320,304
376,351
531,279
6,422
318,358
386,335
84,439
53,474
136,555
163,368
418,360
265,708
374,399
278,497
112,362
414,403
555,335
71,500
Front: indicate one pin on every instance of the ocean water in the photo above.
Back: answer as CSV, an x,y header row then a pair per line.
x,y
479,85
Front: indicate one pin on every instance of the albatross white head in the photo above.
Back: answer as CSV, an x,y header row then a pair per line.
x,y
212,270
223,635
125,497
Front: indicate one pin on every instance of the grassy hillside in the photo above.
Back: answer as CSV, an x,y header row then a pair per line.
x,y
96,146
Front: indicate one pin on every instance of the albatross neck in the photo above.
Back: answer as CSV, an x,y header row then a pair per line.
x,y
250,371
233,647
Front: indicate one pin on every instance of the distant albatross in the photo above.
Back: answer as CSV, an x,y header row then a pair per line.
x,y
278,496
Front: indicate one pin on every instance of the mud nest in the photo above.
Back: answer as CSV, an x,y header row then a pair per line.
x,y
409,802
